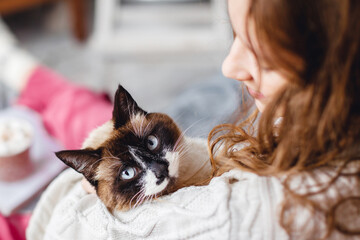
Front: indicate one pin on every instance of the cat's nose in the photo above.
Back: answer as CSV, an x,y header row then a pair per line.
x,y
160,170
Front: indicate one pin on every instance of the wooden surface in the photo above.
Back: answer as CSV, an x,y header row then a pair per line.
x,y
77,10
12,6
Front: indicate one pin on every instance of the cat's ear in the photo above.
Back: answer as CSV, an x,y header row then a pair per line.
x,y
83,161
124,107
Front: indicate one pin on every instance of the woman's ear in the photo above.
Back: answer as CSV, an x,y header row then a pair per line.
x,y
83,161
124,107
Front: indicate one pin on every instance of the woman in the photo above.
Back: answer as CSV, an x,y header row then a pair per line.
x,y
295,176
300,60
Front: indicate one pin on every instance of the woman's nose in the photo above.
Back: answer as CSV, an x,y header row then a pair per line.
x,y
237,63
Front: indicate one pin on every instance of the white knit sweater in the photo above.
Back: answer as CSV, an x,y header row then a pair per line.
x,y
236,205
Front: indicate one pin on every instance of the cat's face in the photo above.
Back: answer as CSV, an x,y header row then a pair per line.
x,y
138,160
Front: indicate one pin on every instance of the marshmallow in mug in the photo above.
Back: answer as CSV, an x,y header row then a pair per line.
x,y
15,136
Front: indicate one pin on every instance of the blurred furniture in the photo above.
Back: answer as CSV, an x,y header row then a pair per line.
x,y
120,26
76,9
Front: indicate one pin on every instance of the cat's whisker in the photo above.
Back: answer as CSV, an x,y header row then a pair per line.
x,y
101,159
94,163
149,198
180,153
192,125
177,118
147,127
142,126
137,202
108,152
146,199
178,141
182,135
140,198
183,155
182,147
184,150
138,124
131,130
112,156
139,192
135,127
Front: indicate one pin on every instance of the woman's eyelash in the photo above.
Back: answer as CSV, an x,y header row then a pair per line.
x,y
262,67
266,68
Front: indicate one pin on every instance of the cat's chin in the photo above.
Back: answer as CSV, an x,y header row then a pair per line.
x,y
152,184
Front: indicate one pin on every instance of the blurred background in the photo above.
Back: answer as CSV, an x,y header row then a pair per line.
x,y
153,47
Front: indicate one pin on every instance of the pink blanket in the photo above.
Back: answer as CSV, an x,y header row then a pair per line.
x,y
69,113
13,227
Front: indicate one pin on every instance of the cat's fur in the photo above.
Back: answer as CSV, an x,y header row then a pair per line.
x,y
124,147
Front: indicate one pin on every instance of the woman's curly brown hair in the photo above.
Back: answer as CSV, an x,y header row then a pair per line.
x,y
318,137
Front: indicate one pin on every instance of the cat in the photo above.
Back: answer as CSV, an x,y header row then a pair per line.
x,y
137,156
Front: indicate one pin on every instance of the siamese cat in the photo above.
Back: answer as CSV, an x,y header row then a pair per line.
x,y
137,156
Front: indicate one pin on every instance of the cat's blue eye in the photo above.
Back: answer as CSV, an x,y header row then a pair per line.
x,y
152,142
128,173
